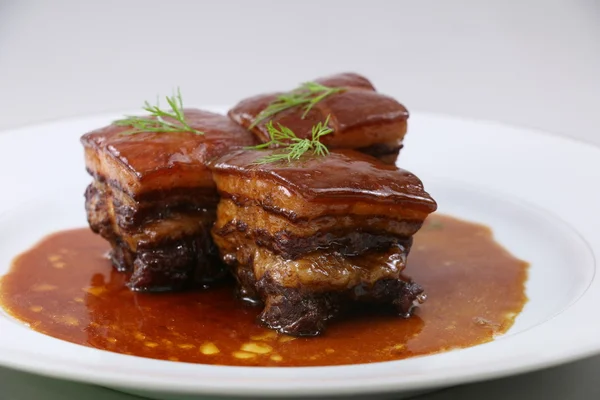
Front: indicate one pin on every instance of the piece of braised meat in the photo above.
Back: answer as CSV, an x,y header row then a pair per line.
x,y
308,238
153,198
362,118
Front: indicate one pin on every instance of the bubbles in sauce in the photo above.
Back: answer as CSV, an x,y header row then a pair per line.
x,y
66,288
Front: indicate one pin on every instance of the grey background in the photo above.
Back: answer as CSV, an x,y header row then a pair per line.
x,y
533,63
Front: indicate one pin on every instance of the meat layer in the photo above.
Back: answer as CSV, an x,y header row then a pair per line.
x,y
361,117
349,234
299,296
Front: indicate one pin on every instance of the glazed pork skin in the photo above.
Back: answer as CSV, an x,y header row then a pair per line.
x,y
362,118
153,199
309,238
154,165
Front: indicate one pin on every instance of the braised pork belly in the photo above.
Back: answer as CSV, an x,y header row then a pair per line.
x,y
362,118
308,238
153,198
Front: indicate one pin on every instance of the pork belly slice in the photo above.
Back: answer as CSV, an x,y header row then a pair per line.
x,y
153,199
309,238
362,118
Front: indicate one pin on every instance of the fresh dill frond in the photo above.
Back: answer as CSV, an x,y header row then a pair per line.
x,y
292,147
156,122
306,95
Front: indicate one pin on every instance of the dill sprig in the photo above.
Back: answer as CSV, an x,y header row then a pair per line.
x,y
307,95
156,122
292,146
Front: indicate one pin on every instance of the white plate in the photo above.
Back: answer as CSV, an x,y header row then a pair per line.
x,y
538,192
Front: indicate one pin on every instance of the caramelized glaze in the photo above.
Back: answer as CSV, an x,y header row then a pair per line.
x,y
148,161
66,288
346,175
360,116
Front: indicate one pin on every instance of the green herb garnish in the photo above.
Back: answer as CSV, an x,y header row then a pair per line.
x,y
307,95
292,147
155,122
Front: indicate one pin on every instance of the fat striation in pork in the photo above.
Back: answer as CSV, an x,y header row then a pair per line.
x,y
153,199
308,238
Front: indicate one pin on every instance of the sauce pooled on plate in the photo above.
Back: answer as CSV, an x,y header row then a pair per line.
x,y
65,287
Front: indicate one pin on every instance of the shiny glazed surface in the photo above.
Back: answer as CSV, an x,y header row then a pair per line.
x,y
344,175
66,288
360,116
148,161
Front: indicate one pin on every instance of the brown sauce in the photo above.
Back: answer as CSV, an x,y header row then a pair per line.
x,y
66,288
